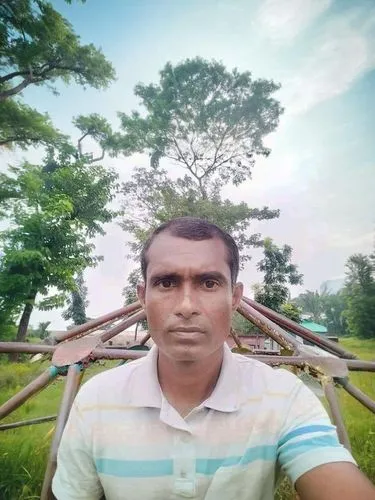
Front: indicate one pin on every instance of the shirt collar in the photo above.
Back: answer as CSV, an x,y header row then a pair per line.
x,y
146,392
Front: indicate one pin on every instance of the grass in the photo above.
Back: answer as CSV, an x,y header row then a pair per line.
x,y
24,451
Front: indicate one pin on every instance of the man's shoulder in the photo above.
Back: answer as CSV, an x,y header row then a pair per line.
x,y
109,383
266,377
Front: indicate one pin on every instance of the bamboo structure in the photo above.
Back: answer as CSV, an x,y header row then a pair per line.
x,y
76,349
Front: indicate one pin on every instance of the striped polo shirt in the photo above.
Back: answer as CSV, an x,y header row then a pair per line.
x,y
125,441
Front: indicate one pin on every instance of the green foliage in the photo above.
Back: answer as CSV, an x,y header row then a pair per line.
x,y
22,125
334,313
291,311
278,273
41,331
242,326
130,291
151,198
324,308
311,303
99,129
360,296
77,302
206,119
38,47
54,210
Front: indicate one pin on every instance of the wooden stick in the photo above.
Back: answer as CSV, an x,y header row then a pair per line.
x,y
35,386
94,323
269,328
301,331
357,394
330,393
73,381
26,347
33,421
112,332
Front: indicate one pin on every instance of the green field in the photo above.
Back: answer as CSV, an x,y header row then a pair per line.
x,y
23,452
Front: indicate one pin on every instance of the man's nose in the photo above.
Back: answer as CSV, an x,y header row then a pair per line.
x,y
187,305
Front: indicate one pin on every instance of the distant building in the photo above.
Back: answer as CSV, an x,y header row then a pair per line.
x,y
314,327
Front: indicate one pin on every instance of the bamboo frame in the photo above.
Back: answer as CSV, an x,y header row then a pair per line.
x,y
73,381
330,393
27,392
32,421
299,330
269,322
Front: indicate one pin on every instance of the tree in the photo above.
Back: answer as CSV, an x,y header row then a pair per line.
x,y
40,47
311,304
151,198
360,296
291,311
211,123
42,330
54,210
333,313
242,326
77,302
278,273
204,118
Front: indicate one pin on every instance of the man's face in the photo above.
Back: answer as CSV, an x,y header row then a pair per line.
x,y
188,296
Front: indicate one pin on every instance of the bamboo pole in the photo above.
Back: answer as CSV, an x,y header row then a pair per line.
x,y
94,323
330,393
23,423
34,387
269,327
25,347
113,353
357,394
299,330
73,380
112,332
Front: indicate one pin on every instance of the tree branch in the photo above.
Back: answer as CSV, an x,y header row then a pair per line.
x,y
79,144
15,90
99,157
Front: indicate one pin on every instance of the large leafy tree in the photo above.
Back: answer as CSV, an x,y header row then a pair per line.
x,y
54,210
204,118
39,47
210,123
360,296
278,273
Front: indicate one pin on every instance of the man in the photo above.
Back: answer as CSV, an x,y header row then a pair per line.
x,y
191,419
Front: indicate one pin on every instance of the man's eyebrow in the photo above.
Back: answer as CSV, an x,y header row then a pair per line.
x,y
212,275
164,276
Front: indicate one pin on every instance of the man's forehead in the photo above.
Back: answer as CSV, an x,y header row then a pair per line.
x,y
171,253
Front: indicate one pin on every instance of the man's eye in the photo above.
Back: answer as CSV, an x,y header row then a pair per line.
x,y
210,284
165,284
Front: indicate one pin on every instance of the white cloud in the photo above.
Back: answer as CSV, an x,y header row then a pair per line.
x,y
343,52
283,20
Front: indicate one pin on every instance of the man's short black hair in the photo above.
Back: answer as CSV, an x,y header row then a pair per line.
x,y
193,228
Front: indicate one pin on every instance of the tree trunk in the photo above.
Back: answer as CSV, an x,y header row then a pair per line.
x,y
23,324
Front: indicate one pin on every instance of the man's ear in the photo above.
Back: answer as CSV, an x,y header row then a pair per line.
x,y
141,293
237,295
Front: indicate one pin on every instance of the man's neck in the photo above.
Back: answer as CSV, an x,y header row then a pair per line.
x,y
187,384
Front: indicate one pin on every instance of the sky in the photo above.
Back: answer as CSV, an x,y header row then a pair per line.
x,y
321,172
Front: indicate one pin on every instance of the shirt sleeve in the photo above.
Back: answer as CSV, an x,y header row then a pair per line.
x,y
308,439
76,476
